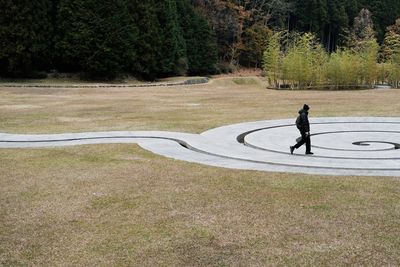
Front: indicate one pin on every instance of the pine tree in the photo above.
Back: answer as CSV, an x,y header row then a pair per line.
x,y
173,60
96,37
352,9
148,42
313,16
26,37
201,47
338,21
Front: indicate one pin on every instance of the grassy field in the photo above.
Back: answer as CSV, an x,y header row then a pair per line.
x,y
104,205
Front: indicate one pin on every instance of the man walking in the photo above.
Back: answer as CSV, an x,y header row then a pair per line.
x,y
304,127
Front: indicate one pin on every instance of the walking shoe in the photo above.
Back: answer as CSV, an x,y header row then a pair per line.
x,y
291,150
309,153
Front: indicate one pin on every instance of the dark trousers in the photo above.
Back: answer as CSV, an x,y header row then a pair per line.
x,y
304,139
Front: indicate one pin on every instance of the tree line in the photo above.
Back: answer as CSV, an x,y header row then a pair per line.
x,y
102,39
244,27
151,39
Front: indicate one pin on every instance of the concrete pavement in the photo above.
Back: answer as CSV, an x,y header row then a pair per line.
x,y
342,146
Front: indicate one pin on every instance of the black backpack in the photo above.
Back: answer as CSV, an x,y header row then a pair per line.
x,y
298,122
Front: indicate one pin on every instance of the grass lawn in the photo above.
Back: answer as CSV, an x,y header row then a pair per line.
x,y
103,205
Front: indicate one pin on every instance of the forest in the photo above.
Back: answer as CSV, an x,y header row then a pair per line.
x,y
152,39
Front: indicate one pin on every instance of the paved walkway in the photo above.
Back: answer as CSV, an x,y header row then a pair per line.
x,y
342,146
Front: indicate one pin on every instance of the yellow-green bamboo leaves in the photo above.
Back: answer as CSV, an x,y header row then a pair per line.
x,y
306,64
272,60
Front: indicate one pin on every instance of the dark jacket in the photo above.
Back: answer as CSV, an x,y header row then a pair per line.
x,y
304,124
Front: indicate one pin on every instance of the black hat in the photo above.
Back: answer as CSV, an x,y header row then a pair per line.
x,y
306,107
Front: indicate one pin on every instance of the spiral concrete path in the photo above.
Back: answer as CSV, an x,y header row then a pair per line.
x,y
342,146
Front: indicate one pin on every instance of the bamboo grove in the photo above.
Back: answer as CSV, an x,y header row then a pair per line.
x,y
299,61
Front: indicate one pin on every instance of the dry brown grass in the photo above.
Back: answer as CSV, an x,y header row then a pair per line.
x,y
182,108
120,205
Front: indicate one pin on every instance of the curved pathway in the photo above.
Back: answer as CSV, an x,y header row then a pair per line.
x,y
342,146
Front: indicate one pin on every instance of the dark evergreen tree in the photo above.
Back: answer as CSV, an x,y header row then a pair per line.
x,y
352,8
149,40
338,21
201,47
26,37
173,60
96,37
312,16
327,19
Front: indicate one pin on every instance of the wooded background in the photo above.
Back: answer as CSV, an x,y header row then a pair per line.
x,y
151,39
